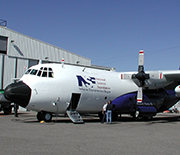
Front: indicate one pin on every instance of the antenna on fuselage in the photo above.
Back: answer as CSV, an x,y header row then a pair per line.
x,y
62,62
40,62
84,69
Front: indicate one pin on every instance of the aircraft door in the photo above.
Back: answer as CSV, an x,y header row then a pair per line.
x,y
74,101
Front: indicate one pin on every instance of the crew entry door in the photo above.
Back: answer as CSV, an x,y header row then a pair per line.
x,y
74,101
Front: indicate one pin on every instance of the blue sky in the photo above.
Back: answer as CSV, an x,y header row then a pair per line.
x,y
109,32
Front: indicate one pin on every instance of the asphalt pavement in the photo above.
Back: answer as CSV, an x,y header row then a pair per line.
x,y
25,135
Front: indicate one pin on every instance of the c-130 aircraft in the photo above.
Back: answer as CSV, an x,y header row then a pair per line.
x,y
52,89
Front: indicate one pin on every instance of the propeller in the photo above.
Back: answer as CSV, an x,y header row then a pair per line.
x,y
141,76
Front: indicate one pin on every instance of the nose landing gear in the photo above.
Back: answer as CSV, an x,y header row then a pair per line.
x,y
44,116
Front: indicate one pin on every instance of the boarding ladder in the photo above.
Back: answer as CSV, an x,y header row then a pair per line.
x,y
74,116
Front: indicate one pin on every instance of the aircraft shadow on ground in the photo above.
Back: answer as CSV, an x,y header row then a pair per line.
x,y
28,118
170,119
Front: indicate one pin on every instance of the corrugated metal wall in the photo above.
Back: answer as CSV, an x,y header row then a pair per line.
x,y
1,71
9,70
26,49
20,45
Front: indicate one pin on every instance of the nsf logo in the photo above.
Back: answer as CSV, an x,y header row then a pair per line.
x,y
86,82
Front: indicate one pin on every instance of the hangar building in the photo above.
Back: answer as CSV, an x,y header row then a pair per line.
x,y
19,52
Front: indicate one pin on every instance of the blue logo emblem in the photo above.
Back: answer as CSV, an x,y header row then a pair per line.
x,y
88,81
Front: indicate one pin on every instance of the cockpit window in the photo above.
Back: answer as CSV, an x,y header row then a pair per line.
x,y
39,73
42,72
28,71
33,72
50,74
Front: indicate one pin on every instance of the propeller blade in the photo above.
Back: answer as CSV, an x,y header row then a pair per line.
x,y
141,58
139,95
141,62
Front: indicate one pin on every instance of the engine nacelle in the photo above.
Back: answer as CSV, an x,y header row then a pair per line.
x,y
177,90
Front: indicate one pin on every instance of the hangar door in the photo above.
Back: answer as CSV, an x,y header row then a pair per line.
x,y
32,63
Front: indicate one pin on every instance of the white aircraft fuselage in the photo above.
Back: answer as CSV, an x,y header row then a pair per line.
x,y
94,86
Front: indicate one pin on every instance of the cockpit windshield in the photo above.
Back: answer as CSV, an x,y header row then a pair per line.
x,y
42,72
33,72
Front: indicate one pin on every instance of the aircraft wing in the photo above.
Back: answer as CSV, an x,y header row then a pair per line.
x,y
157,79
172,75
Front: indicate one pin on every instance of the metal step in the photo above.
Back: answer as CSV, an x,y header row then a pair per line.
x,y
74,116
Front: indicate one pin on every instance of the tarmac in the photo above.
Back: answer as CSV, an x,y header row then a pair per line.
x,y
25,135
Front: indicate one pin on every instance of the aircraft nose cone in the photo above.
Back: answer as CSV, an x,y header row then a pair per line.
x,y
18,93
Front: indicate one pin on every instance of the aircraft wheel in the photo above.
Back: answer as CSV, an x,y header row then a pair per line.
x,y
100,115
47,117
39,116
147,118
114,116
136,116
7,111
44,116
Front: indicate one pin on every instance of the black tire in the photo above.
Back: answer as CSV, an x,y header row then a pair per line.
x,y
114,116
7,111
100,115
40,116
148,118
44,116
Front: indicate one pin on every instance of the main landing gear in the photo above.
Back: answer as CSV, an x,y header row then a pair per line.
x,y
44,116
138,116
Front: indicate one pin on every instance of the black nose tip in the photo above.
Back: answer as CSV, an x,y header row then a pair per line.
x,y
18,93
